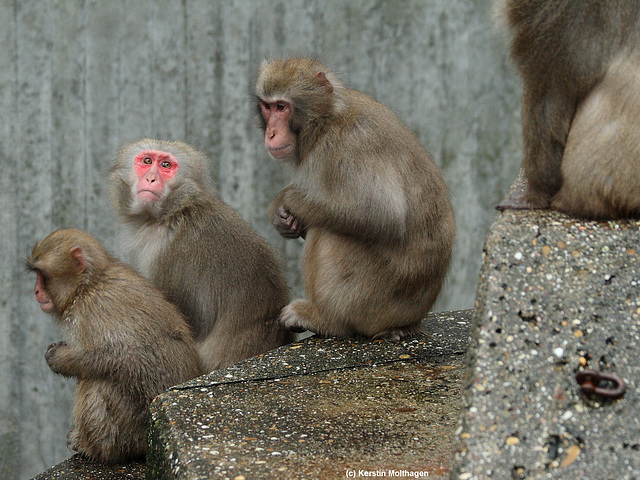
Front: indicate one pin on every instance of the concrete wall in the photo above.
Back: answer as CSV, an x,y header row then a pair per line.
x,y
79,77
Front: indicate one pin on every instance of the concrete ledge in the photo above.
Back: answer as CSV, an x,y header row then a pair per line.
x,y
78,468
318,409
556,295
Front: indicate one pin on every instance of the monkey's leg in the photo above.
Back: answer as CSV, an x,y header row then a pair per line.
x,y
396,334
301,315
295,316
546,117
95,433
330,262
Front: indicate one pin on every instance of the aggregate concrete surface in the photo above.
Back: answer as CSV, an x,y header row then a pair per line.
x,y
79,468
557,295
319,408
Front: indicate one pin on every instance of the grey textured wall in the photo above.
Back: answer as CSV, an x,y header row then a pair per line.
x,y
78,77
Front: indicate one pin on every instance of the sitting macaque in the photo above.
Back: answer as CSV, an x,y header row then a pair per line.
x,y
580,67
366,196
223,276
124,342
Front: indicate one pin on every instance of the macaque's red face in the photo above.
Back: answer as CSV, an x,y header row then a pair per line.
x,y
278,137
42,297
154,169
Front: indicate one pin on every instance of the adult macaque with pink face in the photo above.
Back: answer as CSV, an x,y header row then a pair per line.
x,y
366,196
222,275
154,168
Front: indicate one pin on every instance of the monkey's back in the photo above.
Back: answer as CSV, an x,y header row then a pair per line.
x,y
380,281
392,145
124,326
150,321
241,286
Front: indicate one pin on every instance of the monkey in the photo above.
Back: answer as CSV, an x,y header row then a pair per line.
x,y
124,342
224,277
579,63
368,199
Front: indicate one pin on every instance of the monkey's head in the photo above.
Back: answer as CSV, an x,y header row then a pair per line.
x,y
295,96
151,176
63,261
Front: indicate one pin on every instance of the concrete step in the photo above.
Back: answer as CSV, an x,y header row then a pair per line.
x,y
320,408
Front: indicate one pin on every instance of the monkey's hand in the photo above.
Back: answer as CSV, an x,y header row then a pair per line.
x,y
287,224
54,356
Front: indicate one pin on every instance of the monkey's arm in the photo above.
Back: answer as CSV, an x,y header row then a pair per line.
x,y
64,360
74,361
368,213
70,361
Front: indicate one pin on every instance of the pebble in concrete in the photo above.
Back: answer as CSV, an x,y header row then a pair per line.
x,y
556,295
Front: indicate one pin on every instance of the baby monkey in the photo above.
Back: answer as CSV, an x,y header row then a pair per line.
x,y
124,342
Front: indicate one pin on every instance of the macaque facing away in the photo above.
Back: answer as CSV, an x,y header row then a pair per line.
x,y
366,196
124,342
580,67
222,275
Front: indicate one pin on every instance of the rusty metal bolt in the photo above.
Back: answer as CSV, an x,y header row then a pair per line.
x,y
603,384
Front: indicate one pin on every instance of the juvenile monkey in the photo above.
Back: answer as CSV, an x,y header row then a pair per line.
x,y
580,67
222,275
124,342
368,198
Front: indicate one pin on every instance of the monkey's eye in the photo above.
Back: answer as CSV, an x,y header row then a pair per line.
x,y
166,164
147,160
280,106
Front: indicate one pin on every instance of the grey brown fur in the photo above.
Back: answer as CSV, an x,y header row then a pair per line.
x,y
124,343
222,275
370,200
580,67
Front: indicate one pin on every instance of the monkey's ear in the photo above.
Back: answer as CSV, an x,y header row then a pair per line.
x,y
324,81
81,263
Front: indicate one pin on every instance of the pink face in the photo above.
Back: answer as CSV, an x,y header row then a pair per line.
x,y
154,169
41,294
278,137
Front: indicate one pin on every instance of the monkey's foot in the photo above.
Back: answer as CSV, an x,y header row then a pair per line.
x,y
519,200
396,334
292,316
73,439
